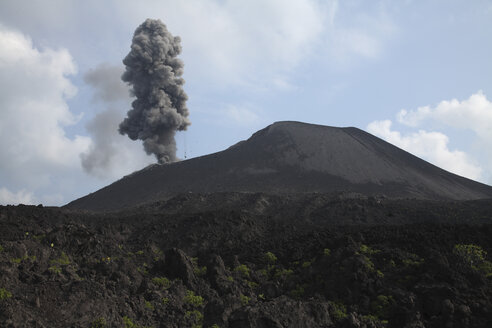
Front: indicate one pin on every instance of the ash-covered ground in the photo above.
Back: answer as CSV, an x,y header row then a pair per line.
x,y
250,260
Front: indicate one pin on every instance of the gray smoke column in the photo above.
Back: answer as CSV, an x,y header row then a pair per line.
x,y
154,73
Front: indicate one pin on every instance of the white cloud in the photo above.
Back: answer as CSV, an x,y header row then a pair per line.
x,y
245,40
474,113
34,89
21,197
432,146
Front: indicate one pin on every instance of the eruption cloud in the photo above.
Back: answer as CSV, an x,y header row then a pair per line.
x,y
154,73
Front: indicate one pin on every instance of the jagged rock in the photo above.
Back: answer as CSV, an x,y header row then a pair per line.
x,y
179,266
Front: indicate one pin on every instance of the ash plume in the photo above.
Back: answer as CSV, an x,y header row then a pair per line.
x,y
154,73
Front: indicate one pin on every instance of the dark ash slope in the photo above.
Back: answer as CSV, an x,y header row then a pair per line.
x,y
292,157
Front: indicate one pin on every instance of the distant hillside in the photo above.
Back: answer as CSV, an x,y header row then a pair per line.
x,y
292,157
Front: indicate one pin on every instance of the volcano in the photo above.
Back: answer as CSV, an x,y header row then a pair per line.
x,y
292,157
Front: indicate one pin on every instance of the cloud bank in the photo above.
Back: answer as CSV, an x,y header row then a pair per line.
x,y
473,114
34,88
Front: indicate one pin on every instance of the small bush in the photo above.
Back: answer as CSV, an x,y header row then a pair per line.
x,y
194,300
270,257
307,264
162,282
283,273
55,269
244,299
200,271
62,260
98,323
339,311
149,305
242,269
364,249
4,294
129,323
165,300
1,248
327,252
381,306
196,316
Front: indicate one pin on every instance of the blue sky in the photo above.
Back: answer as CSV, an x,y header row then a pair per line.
x,y
415,73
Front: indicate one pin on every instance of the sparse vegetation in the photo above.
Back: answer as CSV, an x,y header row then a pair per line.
x,y
4,294
192,299
243,270
196,317
162,282
372,272
270,257
62,260
339,311
244,299
99,323
149,305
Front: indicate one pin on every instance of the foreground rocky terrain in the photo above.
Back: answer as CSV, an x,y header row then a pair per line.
x,y
250,260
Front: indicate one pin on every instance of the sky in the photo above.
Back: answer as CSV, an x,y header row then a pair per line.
x,y
414,73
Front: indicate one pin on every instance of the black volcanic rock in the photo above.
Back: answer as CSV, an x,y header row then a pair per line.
x,y
292,157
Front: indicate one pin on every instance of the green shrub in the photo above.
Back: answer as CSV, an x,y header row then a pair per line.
x,y
215,326
98,323
368,263
327,252
194,300
55,269
230,278
381,305
486,268
1,248
307,264
364,249
162,282
242,269
470,253
149,305
39,238
62,260
270,257
339,311
196,316
244,299
165,300
129,323
4,294
200,271
252,284
283,273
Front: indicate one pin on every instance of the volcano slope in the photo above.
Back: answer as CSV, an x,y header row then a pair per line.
x,y
250,260
292,157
